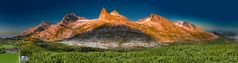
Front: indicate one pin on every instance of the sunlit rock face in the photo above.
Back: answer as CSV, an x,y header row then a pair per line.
x,y
113,30
41,27
112,37
189,26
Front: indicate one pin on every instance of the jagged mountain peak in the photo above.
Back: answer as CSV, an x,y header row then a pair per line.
x,y
153,15
41,27
103,14
68,18
113,16
70,15
187,25
115,13
154,18
44,23
184,23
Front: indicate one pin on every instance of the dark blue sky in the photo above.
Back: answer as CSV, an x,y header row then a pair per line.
x,y
18,15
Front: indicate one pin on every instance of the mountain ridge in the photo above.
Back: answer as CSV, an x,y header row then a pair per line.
x,y
158,28
41,27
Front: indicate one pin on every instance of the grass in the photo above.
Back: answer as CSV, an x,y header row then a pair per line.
x,y
8,58
7,46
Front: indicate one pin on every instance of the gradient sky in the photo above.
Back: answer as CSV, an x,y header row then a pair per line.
x,y
18,15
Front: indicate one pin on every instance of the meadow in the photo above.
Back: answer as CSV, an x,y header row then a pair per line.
x,y
8,58
224,51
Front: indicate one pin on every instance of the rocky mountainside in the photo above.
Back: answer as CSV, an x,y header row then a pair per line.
x,y
70,18
113,30
172,31
189,26
41,27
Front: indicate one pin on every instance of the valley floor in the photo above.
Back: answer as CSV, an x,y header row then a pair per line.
x,y
8,58
200,52
11,55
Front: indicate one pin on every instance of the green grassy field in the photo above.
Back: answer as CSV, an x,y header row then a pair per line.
x,y
7,46
8,58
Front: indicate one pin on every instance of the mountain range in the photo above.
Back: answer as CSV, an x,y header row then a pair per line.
x,y
112,30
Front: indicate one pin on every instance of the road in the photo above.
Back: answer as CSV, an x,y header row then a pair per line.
x,y
19,55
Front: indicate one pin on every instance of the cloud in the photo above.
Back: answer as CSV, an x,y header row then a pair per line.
x,y
220,28
234,37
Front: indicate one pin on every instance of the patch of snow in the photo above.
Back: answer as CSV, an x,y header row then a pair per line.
x,y
148,19
179,23
113,14
87,20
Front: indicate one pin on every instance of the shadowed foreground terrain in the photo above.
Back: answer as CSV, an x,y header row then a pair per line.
x,y
113,37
